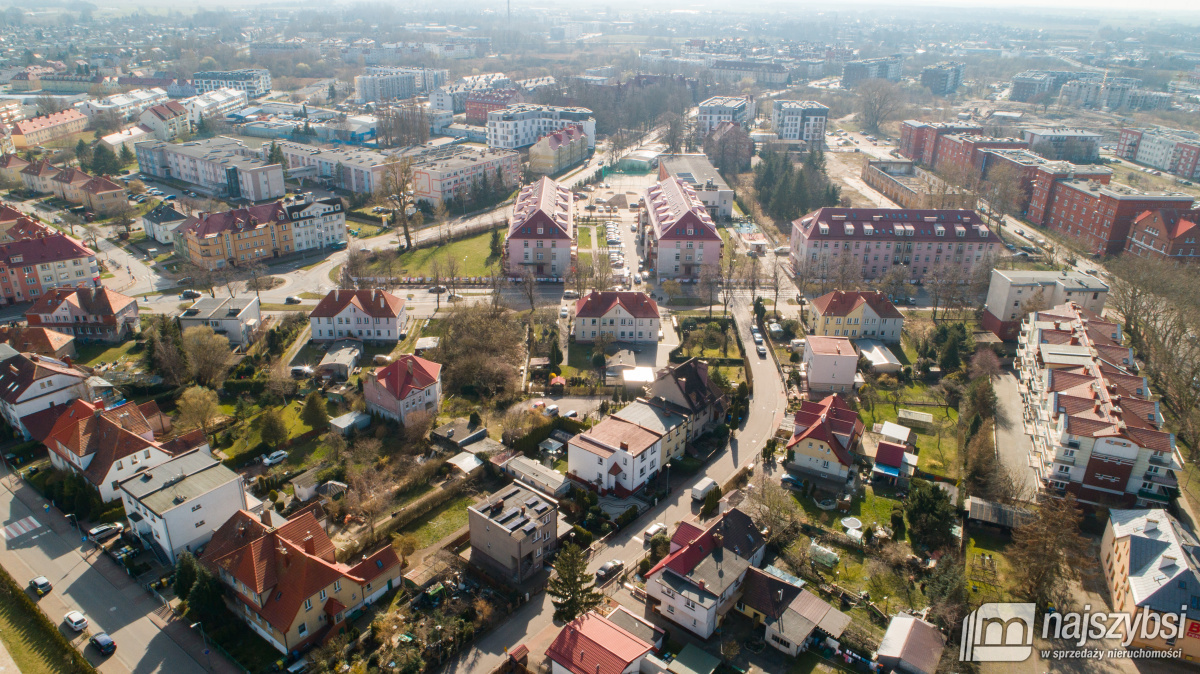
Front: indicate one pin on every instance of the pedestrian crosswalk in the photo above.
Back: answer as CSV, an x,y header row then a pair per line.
x,y
20,528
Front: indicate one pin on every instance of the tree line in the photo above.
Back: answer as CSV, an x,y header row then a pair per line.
x,y
786,190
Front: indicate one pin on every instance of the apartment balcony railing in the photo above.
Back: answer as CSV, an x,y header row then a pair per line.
x,y
1161,461
1161,478
1153,495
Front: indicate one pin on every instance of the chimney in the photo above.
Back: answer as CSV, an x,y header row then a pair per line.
x,y
265,517
310,545
625,446
701,583
718,541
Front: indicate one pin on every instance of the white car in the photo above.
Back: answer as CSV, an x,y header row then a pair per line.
x,y
76,621
654,530
562,312
275,457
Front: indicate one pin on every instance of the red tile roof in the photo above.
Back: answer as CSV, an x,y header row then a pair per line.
x,y
842,303
92,301
71,176
830,421
101,185
375,303
890,454
12,161
41,167
239,219
673,207
44,249
406,374
40,423
686,533
545,204
37,123
168,110
597,304
592,644
43,341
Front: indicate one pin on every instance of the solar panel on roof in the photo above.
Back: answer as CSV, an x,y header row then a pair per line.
x,y
508,514
529,528
517,524
541,508
531,501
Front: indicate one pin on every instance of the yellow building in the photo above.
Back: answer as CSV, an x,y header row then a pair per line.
x,y
558,151
40,130
825,437
855,315
237,237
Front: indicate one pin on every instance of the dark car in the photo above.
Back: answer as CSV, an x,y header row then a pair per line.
x,y
291,299
190,294
104,643
609,570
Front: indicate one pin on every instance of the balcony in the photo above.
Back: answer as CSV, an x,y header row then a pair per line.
x,y
1160,460
1152,495
1166,479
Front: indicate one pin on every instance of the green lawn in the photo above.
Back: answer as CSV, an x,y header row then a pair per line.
x,y
875,507
441,521
585,261
249,435
92,355
585,238
31,649
986,581
936,457
579,360
473,255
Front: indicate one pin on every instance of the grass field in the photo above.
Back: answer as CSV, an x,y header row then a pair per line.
x,y
250,434
585,238
32,650
934,457
441,521
988,580
875,507
94,354
472,254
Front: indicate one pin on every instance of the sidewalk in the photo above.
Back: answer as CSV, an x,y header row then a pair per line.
x,y
6,662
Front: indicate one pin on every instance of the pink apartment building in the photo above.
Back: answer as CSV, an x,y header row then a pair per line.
x,y
679,235
542,231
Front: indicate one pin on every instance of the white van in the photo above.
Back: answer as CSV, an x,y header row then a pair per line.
x,y
702,488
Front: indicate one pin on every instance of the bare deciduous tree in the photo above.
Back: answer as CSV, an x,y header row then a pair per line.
x,y
208,355
878,100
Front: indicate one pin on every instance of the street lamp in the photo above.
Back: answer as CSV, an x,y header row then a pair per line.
x,y
207,646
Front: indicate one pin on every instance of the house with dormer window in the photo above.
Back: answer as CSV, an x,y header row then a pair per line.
x,y
369,315
620,316
680,237
542,231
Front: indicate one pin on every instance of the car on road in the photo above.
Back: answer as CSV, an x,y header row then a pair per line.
x,y
1020,232
1028,249
76,621
106,531
758,338
190,294
291,299
563,312
570,295
454,297
275,457
762,351
437,289
41,586
103,643
633,228
654,530
571,414
609,570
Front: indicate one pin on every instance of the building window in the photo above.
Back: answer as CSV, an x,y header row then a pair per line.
x,y
307,604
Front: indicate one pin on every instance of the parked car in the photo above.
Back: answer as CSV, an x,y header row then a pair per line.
x,y
570,295
190,294
791,482
758,338
275,457
762,351
437,289
291,299
609,570
551,410
654,530
76,621
571,414
103,643
563,312
106,531
302,371
41,586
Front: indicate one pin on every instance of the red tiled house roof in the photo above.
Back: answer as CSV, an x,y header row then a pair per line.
x,y
406,374
592,644
375,303
597,304
545,204
832,422
842,303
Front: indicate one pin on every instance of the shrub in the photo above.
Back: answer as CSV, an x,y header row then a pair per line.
x,y
583,537
628,516
644,567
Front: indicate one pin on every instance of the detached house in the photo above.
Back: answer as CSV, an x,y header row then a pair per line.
x,y
369,315
90,314
407,385
856,314
826,435
622,316
39,176
108,445
286,582
686,388
167,120
68,184
593,644
102,195
614,456
34,390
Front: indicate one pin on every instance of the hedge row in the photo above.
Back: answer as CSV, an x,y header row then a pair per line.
x,y
401,519
71,660
253,386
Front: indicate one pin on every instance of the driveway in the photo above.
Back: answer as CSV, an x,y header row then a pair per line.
x,y
1013,444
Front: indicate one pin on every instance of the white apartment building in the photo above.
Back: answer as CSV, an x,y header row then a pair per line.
x,y
254,81
799,120
424,79
124,106
376,87
215,104
369,315
236,318
736,109
621,316
168,120
178,504
615,456
832,363
219,166
522,124
444,172
1009,290
352,169
316,223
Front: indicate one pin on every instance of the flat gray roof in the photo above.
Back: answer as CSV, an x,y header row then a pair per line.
x,y
177,481
694,169
218,307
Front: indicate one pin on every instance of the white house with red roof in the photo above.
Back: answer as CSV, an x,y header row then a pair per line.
x,y
90,314
826,436
855,314
622,316
831,363
286,581
369,315
615,456
680,238
108,445
542,231
405,386
593,644
33,388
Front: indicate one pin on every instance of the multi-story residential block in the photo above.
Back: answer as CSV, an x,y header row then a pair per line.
x,y
124,106
919,140
31,267
832,363
1098,217
713,111
1151,564
1033,168
482,101
11,167
90,314
1074,145
68,184
236,318
870,242
305,593
512,531
620,316
698,172
541,230
178,505
254,81
161,221
425,80
865,314
962,154
901,181
593,644
406,386
670,422
390,86
687,390
101,195
523,124
884,68
450,171
1097,431
244,235
39,130
828,433
1113,93
368,315
799,120
34,392
614,457
1170,150
558,151
676,229
127,138
1014,293
1036,84
214,104
64,83
168,121
359,171
217,166
943,79
1165,234
11,111
762,72
107,445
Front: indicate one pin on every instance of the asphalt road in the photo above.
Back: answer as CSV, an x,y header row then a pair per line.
x,y
78,585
